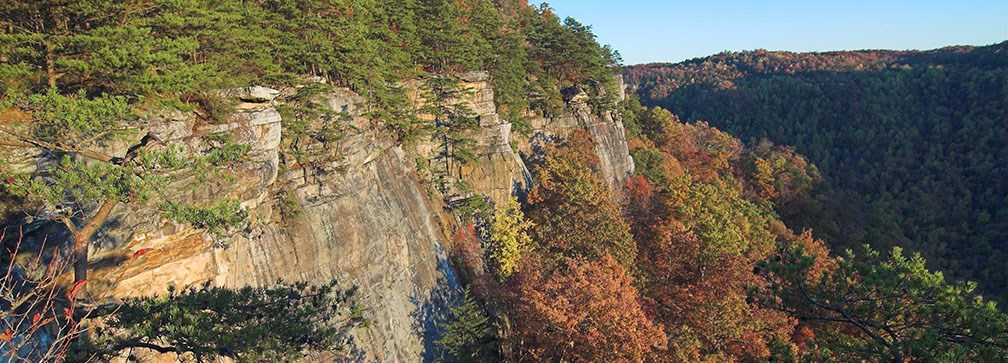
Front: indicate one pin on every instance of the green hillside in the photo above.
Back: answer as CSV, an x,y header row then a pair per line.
x,y
912,144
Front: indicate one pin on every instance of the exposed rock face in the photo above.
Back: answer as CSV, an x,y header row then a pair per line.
x,y
605,126
498,171
373,225
254,94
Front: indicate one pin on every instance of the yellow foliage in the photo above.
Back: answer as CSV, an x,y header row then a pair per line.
x,y
508,237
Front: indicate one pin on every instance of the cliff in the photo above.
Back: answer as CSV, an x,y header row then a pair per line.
x,y
366,218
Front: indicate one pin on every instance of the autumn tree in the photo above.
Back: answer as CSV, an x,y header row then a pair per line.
x,y
927,126
699,239
509,239
582,311
572,209
698,281
38,325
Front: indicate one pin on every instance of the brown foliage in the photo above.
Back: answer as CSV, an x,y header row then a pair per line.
x,y
698,244
583,311
701,300
572,209
704,151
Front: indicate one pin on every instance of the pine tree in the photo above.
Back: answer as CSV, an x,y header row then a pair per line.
x,y
468,337
884,308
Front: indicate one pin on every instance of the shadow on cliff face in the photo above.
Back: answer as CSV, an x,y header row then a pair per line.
x,y
34,238
432,310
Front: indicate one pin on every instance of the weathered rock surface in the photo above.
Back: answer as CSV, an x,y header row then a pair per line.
x,y
371,227
367,220
257,94
497,171
605,126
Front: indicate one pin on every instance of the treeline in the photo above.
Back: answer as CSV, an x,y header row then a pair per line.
x,y
910,143
78,75
693,264
166,48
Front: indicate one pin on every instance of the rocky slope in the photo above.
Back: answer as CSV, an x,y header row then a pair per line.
x,y
368,219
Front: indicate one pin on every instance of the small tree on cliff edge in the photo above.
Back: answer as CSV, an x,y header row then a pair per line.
x,y
76,184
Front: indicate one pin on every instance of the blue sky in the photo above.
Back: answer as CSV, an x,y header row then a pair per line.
x,y
671,31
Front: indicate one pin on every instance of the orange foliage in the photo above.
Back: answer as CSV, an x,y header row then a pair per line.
x,y
572,209
584,311
701,298
14,116
704,151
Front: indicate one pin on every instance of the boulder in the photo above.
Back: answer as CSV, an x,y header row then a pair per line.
x,y
254,94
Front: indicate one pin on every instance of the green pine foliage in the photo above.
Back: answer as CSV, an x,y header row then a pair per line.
x,y
76,74
885,308
468,336
167,48
249,324
311,129
454,121
216,218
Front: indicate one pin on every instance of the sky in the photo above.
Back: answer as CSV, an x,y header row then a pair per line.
x,y
646,31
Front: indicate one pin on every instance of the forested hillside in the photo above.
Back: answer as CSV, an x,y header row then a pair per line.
x,y
911,144
160,49
697,267
474,177
128,124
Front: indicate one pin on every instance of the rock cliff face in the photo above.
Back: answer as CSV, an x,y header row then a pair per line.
x,y
367,219
605,126
371,226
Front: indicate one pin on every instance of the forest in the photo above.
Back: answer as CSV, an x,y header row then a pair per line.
x,y
910,144
698,267
714,250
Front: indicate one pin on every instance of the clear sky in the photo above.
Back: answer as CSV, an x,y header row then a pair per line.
x,y
673,30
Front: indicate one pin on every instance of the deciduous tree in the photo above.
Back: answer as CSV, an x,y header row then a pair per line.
x,y
583,311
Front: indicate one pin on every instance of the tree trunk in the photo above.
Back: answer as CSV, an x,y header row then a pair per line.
x,y
83,237
50,64
80,258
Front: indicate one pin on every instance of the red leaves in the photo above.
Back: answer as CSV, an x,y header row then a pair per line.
x,y
72,293
590,305
37,320
467,248
141,252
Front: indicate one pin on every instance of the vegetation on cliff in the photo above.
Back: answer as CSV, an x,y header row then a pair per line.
x,y
698,266
81,78
688,261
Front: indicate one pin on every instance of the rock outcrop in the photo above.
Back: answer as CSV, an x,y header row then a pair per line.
x,y
604,125
497,171
366,219
370,226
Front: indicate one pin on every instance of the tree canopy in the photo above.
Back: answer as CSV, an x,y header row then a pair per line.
x,y
908,142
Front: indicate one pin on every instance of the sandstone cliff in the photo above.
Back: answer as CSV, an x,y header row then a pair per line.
x,y
367,218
